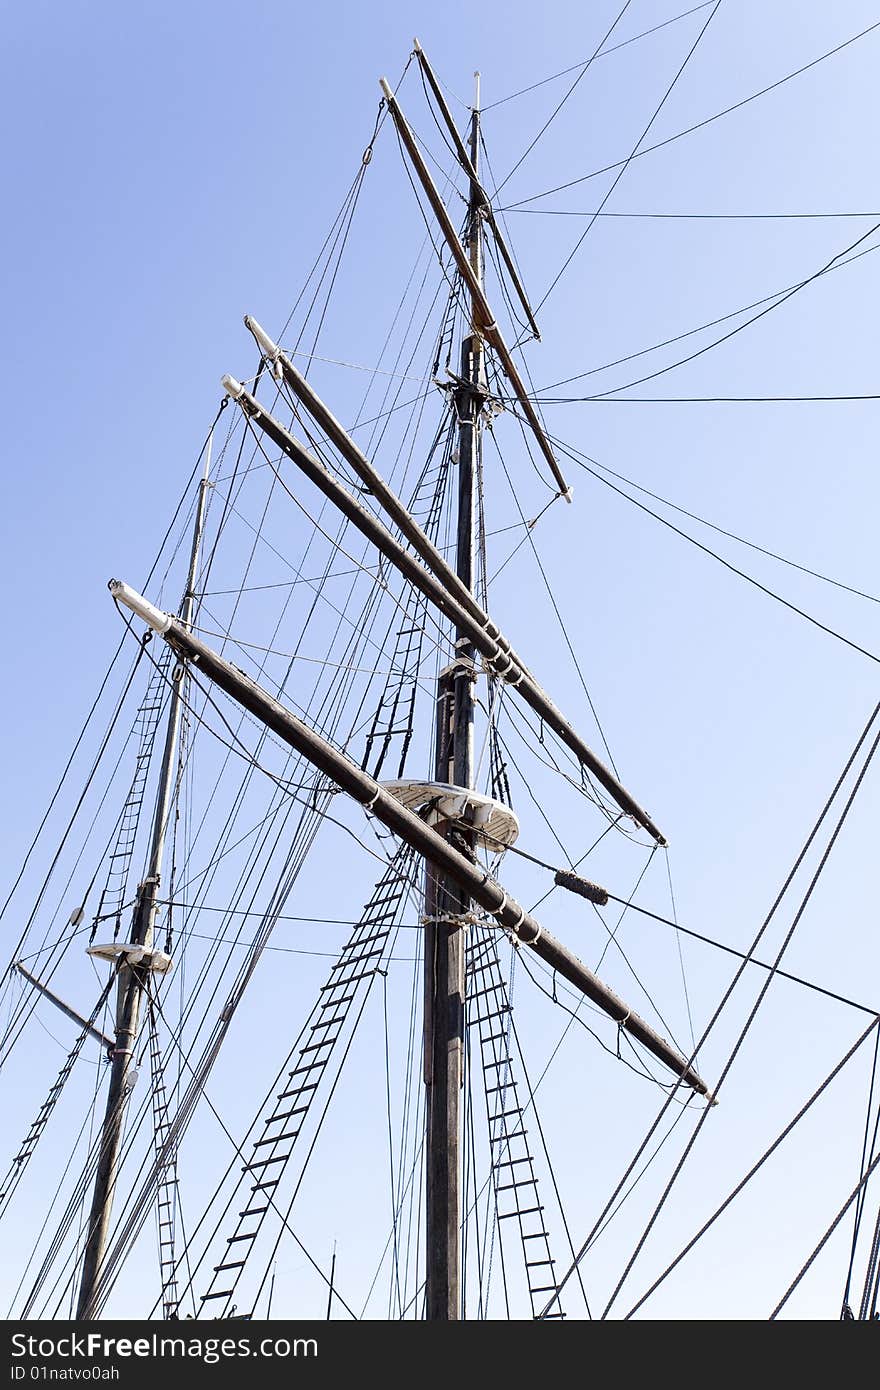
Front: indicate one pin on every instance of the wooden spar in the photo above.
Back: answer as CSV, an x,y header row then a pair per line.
x,y
133,978
409,827
488,326
65,1008
469,166
484,635
376,484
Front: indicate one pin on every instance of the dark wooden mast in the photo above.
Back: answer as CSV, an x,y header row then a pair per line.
x,y
445,901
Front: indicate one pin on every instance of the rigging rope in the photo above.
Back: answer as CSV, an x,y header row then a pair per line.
x,y
802,854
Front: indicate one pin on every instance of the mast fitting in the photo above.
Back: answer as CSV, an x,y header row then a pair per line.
x,y
142,608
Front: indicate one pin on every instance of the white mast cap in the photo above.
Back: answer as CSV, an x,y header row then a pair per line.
x,y
141,607
264,342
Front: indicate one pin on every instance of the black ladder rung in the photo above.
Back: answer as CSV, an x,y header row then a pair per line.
x,y
508,1086
298,1090
337,1003
545,1288
358,957
534,1235
260,1187
222,1293
253,1211
511,1162
492,1037
231,1264
265,1162
248,1235
525,1211
309,1066
509,1186
314,1047
336,1022
275,1139
535,1264
507,1136
286,1114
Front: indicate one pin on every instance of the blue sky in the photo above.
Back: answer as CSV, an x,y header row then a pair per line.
x,y
171,168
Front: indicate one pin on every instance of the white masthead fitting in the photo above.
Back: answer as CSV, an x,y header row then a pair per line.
x,y
383,83
264,342
153,616
232,387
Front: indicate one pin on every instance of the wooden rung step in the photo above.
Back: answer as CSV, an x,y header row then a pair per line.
x,y
231,1264
248,1235
221,1293
526,1211
264,1162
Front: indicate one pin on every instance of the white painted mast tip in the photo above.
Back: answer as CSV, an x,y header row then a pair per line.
x,y
267,347
142,608
232,387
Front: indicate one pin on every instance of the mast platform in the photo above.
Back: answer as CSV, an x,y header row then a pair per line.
x,y
493,824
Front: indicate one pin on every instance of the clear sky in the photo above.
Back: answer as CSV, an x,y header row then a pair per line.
x,y
169,168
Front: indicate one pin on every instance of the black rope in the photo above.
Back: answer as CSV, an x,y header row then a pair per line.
x,y
626,163
701,328
706,121
725,337
749,1021
734,569
756,1167
736,978
860,1204
604,54
583,72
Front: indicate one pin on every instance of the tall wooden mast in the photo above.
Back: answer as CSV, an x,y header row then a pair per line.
x,y
446,902
134,971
